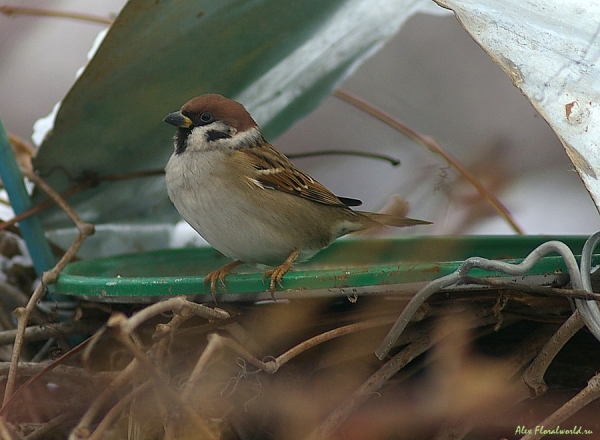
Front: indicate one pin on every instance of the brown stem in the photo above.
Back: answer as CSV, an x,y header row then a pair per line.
x,y
434,147
83,184
371,385
24,313
44,205
18,10
533,377
82,427
590,393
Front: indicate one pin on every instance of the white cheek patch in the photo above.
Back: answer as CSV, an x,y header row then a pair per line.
x,y
243,138
200,137
197,140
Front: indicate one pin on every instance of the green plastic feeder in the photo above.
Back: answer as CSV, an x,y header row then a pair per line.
x,y
347,267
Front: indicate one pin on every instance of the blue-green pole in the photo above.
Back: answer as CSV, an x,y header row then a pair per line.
x,y
31,227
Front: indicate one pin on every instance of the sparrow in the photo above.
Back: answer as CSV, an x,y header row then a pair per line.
x,y
247,199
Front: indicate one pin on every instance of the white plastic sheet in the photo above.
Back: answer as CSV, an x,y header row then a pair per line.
x,y
551,51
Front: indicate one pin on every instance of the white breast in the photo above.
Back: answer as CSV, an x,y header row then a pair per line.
x,y
214,205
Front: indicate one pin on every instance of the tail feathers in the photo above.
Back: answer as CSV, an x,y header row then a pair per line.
x,y
392,220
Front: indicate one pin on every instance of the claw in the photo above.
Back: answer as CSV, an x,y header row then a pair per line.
x,y
276,274
219,275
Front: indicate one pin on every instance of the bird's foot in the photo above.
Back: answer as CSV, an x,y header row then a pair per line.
x,y
276,274
219,275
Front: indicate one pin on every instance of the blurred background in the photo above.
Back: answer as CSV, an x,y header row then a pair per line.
x,y
431,75
438,81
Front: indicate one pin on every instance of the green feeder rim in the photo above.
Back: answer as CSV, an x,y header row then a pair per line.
x,y
348,267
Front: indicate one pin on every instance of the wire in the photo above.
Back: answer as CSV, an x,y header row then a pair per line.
x,y
580,279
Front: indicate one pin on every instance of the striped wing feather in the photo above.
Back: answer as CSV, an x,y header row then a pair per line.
x,y
275,171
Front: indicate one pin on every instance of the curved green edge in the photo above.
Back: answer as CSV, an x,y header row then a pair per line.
x,y
346,264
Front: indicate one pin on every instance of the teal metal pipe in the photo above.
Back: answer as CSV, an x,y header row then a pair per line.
x,y
31,227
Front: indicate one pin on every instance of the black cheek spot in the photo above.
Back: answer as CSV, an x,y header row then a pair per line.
x,y
181,138
213,135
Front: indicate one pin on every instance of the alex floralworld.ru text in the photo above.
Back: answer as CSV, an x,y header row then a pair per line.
x,y
575,430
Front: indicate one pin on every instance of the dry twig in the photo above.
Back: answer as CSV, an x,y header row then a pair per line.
x,y
23,314
586,396
434,147
19,10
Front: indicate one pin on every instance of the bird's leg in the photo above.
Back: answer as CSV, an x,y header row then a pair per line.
x,y
220,275
277,273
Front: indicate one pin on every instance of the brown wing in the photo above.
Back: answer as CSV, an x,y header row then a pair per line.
x,y
275,171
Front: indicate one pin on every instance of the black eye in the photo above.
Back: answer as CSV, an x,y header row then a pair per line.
x,y
206,117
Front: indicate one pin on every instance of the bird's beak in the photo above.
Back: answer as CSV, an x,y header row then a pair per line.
x,y
178,119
